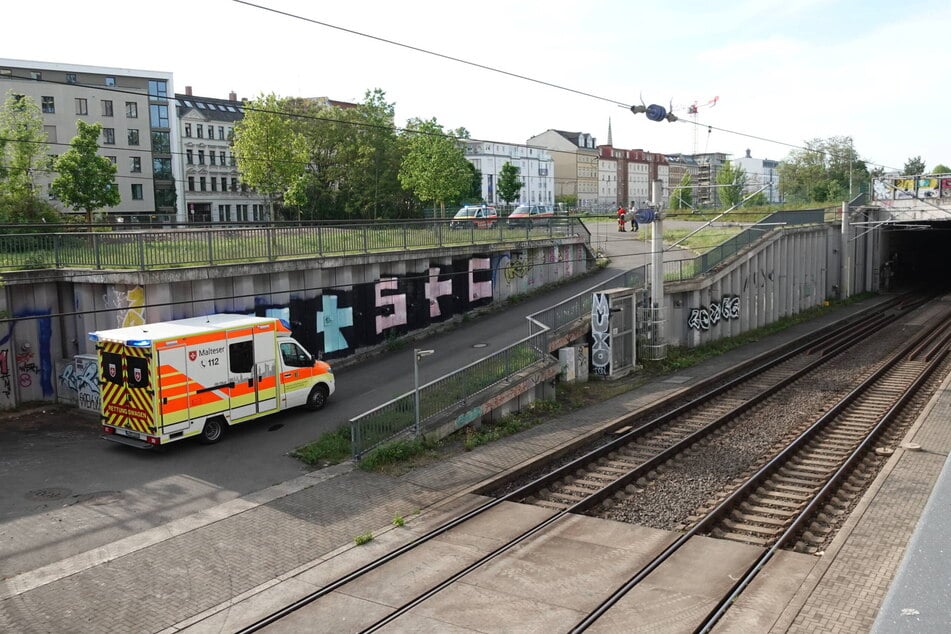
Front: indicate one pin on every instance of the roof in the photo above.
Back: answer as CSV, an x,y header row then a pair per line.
x,y
209,108
161,331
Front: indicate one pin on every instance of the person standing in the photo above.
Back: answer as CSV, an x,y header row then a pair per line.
x,y
621,218
633,212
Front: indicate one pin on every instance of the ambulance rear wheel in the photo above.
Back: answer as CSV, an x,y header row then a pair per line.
x,y
213,430
317,397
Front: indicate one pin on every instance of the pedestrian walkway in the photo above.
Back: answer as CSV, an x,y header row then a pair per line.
x,y
200,569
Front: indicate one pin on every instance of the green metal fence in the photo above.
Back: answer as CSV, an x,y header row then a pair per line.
x,y
207,246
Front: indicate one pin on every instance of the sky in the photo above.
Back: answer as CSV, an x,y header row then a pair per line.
x,y
781,72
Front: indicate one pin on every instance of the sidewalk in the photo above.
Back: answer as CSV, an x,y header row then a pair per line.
x,y
173,576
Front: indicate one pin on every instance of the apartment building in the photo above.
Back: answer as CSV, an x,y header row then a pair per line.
x,y
761,175
213,189
535,168
575,157
139,134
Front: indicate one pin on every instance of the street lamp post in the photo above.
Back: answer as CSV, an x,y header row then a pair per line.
x,y
417,355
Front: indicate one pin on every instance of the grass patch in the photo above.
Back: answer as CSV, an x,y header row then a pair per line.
x,y
537,412
399,521
365,538
331,448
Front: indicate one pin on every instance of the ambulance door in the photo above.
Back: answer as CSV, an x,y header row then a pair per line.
x,y
173,387
241,383
265,368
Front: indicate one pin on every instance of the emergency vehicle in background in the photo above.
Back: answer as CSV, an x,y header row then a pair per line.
x,y
172,380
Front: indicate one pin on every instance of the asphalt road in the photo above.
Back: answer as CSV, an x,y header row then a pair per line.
x,y
66,491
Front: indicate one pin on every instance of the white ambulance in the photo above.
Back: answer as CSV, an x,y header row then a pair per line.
x,y
172,380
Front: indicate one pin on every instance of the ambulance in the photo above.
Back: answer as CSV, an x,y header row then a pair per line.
x,y
167,381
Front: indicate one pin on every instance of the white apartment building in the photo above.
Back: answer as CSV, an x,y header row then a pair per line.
x,y
139,133
536,170
213,189
760,174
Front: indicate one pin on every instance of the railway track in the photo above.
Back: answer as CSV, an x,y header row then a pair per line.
x,y
586,482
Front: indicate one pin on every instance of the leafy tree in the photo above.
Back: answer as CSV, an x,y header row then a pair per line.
x,y
269,151
509,184
732,181
22,145
85,181
475,186
826,170
941,168
914,166
435,167
682,196
757,200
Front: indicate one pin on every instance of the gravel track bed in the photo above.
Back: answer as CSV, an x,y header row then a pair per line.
x,y
685,485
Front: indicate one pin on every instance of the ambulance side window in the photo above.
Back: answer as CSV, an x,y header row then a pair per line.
x,y
241,357
294,357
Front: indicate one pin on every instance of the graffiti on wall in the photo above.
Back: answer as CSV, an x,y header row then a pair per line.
x,y
6,387
27,361
600,335
706,317
129,302
82,378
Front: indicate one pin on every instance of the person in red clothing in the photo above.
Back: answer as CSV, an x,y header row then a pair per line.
x,y
621,219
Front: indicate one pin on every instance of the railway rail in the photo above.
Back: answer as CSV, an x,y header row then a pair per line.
x,y
586,482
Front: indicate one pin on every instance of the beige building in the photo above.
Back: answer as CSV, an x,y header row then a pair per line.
x,y
213,188
575,157
139,133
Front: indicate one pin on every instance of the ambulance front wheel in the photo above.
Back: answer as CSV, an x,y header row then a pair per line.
x,y
213,430
317,397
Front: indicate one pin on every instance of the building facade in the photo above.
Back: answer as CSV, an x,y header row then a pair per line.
x,y
575,157
213,188
761,174
536,170
139,134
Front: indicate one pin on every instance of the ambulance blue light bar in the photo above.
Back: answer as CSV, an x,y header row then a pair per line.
x,y
134,343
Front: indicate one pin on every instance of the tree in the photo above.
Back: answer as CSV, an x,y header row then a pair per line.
x,y
732,182
509,184
941,168
85,181
435,167
682,196
914,166
22,145
269,151
826,170
475,187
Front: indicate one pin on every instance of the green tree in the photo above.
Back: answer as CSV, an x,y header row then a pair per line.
x,y
269,151
914,166
85,180
941,168
509,184
435,167
22,145
732,181
682,196
475,186
825,171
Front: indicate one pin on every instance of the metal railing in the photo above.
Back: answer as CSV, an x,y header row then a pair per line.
x,y
397,418
174,248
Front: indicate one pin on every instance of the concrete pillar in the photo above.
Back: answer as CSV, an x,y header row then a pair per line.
x,y
657,264
845,256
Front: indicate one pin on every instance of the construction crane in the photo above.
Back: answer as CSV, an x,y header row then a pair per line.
x,y
693,110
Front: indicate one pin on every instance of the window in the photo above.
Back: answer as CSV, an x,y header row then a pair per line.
x,y
189,157
221,132
224,184
106,108
234,184
110,81
133,136
191,183
135,163
241,357
34,74
159,116
111,159
224,212
162,168
231,161
109,136
201,157
214,184
49,105
82,106
211,158
294,356
6,72
164,196
71,78
188,129
131,110
201,183
161,142
136,191
158,89
199,131
221,156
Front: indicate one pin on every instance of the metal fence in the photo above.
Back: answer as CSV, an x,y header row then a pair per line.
x,y
397,418
193,247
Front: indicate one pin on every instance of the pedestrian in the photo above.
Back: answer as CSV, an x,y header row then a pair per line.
x,y
633,212
621,218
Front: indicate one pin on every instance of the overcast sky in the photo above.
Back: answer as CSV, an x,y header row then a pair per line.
x,y
784,71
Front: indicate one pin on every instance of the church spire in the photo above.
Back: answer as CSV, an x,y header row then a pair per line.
x,y
610,140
